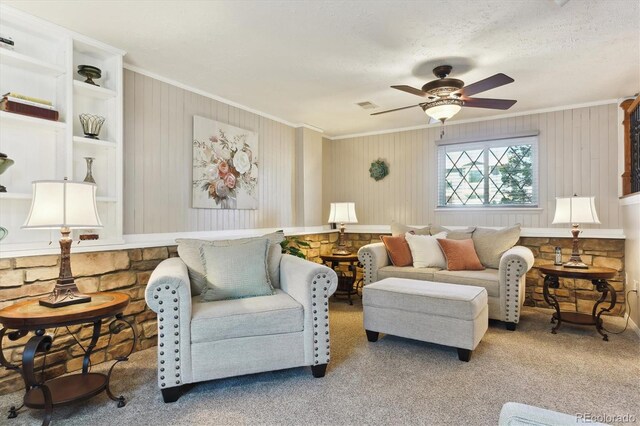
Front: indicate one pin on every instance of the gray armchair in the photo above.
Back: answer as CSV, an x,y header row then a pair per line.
x,y
199,341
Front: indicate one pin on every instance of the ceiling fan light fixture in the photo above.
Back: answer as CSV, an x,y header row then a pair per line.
x,y
442,109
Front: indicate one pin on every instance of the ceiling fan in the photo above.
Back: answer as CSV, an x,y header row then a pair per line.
x,y
446,96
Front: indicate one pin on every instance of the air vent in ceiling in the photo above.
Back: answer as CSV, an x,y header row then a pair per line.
x,y
367,105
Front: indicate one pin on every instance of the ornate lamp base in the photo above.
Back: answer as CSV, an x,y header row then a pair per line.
x,y
65,292
64,295
575,261
342,248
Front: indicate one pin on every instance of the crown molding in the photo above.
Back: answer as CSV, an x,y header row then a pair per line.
x,y
475,120
195,90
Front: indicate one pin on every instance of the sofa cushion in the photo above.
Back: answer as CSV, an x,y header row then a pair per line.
x,y
256,316
400,229
453,234
236,271
406,272
492,243
398,250
488,278
425,250
460,255
447,300
189,252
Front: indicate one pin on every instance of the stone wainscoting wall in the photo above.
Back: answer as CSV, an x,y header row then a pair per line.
x,y
125,271
128,271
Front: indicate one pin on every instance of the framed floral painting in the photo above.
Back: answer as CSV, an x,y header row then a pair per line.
x,y
225,166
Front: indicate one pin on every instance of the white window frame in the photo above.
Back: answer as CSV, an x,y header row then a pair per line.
x,y
444,146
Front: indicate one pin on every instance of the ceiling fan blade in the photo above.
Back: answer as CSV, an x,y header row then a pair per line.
x,y
489,103
397,109
486,84
411,90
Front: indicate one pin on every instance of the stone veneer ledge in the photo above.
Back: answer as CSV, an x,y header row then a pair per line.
x,y
128,271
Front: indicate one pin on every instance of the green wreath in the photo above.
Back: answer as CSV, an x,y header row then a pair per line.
x,y
378,169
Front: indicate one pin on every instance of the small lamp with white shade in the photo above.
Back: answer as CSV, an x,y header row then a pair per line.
x,y
342,213
63,205
575,210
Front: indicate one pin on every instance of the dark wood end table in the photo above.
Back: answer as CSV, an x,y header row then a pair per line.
x,y
346,283
598,277
29,316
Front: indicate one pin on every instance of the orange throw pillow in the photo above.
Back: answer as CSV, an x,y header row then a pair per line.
x,y
398,250
461,255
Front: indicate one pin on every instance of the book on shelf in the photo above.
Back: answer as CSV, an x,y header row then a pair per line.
x,y
28,98
30,110
26,102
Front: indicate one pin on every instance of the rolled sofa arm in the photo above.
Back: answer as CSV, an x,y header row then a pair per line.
x,y
168,293
373,257
311,285
514,265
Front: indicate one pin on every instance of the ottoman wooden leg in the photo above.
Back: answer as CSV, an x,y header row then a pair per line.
x,y
464,354
372,336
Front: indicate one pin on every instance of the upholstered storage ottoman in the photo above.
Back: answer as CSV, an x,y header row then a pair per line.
x,y
446,314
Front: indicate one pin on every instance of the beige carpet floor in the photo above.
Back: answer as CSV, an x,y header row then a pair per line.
x,y
393,381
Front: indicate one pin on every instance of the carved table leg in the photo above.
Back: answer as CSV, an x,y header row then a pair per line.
x,y
38,343
552,281
14,335
116,326
602,286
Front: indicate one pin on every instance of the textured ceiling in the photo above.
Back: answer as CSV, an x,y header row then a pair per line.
x,y
312,61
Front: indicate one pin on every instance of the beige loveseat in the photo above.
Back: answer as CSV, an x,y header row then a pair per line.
x,y
505,286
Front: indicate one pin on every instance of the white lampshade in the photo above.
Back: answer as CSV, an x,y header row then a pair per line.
x,y
62,203
575,210
443,112
343,213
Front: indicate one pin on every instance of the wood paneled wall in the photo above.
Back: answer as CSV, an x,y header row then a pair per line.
x,y
578,153
158,131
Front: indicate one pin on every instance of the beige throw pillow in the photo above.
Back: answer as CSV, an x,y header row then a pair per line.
x,y
453,234
426,251
400,229
189,252
491,244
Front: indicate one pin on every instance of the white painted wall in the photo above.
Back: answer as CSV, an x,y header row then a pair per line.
x,y
158,130
308,177
578,153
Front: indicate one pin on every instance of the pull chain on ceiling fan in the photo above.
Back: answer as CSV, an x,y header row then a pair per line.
x,y
446,96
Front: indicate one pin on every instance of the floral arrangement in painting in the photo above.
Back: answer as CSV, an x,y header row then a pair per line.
x,y
225,167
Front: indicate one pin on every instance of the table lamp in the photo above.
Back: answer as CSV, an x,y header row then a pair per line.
x,y
575,210
63,205
342,213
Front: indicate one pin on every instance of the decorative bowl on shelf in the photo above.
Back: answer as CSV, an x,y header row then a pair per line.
x,y
5,163
91,125
90,72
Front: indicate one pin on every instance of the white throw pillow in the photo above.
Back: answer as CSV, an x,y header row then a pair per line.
x,y
426,251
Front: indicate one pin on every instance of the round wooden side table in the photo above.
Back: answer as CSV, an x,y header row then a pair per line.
x,y
598,277
29,316
346,283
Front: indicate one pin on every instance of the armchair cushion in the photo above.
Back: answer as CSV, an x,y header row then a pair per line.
x,y
255,316
236,271
189,252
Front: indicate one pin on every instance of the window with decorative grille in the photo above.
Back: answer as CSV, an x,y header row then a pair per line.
x,y
490,173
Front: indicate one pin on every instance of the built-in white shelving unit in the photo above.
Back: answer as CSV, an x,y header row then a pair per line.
x,y
44,65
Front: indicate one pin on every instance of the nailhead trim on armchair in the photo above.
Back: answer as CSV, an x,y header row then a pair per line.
x,y
320,306
515,271
168,336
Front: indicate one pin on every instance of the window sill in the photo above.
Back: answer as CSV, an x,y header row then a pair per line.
x,y
487,209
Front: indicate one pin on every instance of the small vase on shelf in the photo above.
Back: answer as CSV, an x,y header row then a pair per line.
x,y
89,177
